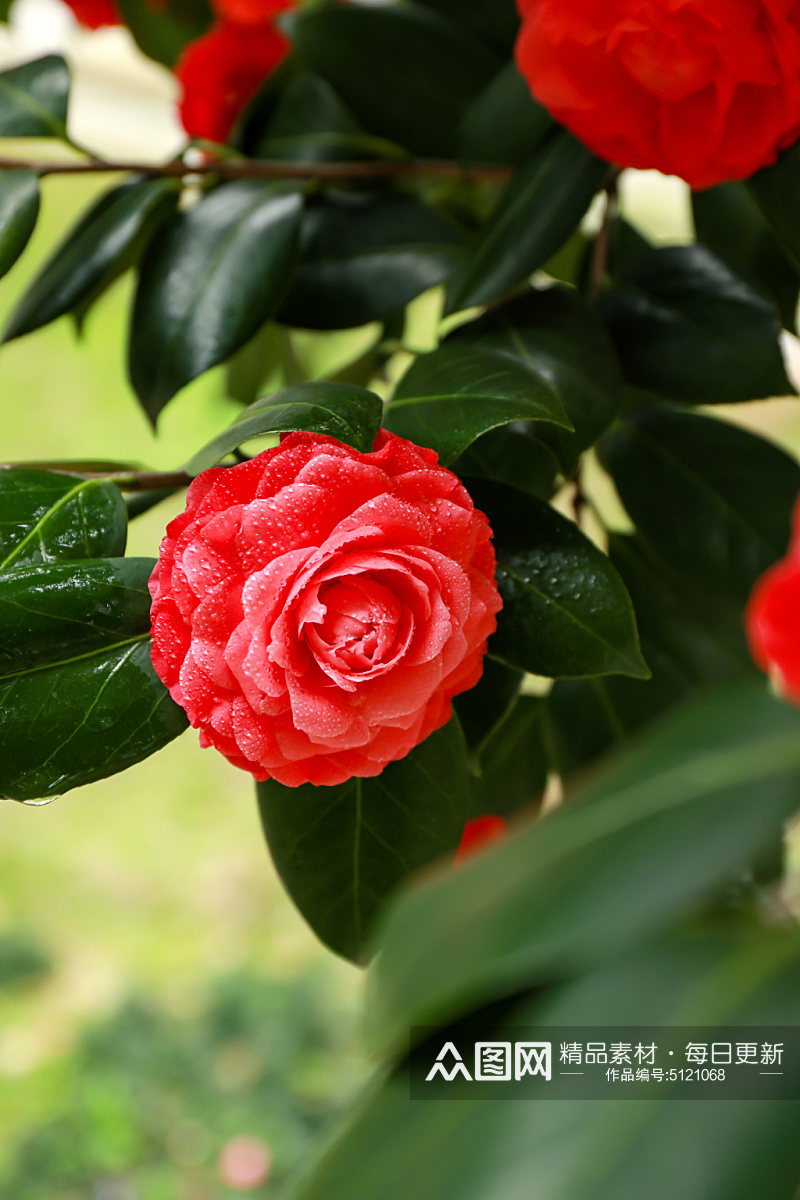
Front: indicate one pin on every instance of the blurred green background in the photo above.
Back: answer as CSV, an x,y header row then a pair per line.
x,y
160,998
159,995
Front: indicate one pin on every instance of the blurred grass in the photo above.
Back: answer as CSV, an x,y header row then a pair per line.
x,y
157,881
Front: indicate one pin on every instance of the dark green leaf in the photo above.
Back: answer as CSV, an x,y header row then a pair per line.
x,y
505,124
161,32
423,70
449,397
46,517
711,500
565,609
538,211
555,333
495,20
677,817
364,257
19,208
480,708
512,763
310,122
687,640
104,242
208,281
34,97
775,189
342,850
477,1141
729,221
687,327
79,696
348,413
512,455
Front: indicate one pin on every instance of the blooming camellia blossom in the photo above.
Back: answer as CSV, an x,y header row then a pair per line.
x,y
772,619
221,71
705,89
316,608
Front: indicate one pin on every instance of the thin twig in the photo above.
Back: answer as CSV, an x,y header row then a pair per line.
x,y
601,242
255,168
126,481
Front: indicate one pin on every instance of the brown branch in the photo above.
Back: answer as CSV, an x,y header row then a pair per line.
x,y
126,481
255,168
602,241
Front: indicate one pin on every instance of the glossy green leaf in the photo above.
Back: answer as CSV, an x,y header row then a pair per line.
x,y
46,517
339,410
681,814
19,208
429,69
495,20
162,31
79,696
106,240
511,765
34,98
689,328
208,281
775,190
449,397
481,707
730,223
553,332
309,121
537,212
711,500
342,850
363,258
688,639
504,124
489,1142
565,609
513,455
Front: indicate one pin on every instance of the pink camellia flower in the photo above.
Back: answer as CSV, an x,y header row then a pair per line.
x,y
316,608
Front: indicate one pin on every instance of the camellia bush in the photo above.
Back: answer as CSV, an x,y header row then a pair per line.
x,y
494,581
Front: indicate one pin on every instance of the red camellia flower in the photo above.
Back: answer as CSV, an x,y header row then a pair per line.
x,y
705,89
316,609
221,71
480,832
250,12
772,619
95,13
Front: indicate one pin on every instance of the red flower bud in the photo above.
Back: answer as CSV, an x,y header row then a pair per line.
x,y
480,832
221,71
94,13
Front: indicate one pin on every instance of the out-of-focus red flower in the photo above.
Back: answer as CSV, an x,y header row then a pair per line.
x,y
705,89
772,619
221,71
94,14
250,12
479,833
316,609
